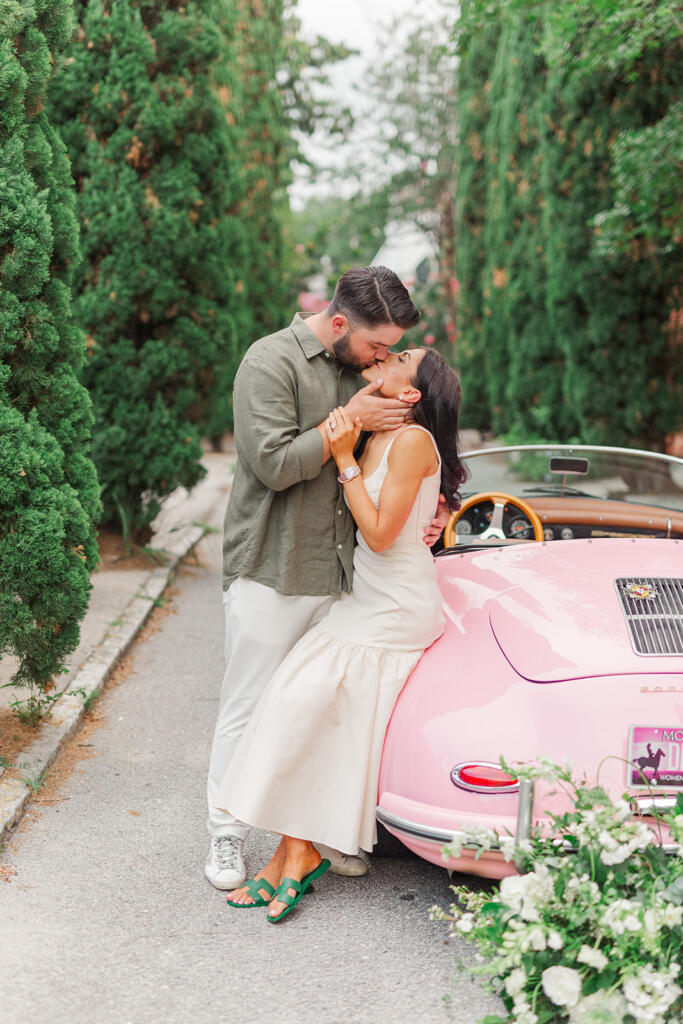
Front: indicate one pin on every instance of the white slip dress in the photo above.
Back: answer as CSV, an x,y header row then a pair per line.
x,y
308,762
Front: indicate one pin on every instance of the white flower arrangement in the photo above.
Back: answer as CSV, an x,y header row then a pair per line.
x,y
592,933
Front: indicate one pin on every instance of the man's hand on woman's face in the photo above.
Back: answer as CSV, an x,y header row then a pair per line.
x,y
438,523
376,412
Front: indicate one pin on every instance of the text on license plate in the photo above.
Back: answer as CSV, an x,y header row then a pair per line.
x,y
655,752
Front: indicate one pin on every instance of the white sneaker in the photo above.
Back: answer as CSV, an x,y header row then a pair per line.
x,y
342,863
225,865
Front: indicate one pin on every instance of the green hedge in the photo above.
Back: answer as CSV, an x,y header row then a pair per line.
x,y
146,102
48,487
266,150
562,335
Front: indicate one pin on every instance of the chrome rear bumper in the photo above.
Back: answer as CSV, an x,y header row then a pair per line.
x,y
425,833
441,836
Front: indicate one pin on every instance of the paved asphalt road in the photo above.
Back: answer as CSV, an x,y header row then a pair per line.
x,y
109,920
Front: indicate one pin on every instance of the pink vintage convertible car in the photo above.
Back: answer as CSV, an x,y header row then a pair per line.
x,y
562,580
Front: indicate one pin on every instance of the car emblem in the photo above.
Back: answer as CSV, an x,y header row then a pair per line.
x,y
640,591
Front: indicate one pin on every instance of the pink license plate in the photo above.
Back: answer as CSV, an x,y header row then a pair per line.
x,y
655,752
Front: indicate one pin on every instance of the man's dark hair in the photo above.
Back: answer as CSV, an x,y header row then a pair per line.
x,y
372,296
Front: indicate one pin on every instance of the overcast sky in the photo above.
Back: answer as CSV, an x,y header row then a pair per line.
x,y
354,22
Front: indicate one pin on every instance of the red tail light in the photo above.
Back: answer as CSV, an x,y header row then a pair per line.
x,y
483,777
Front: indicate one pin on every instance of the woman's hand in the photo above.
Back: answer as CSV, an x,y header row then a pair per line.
x,y
342,433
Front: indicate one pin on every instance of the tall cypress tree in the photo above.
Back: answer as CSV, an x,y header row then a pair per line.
x,y
525,368
147,115
476,42
573,338
266,151
48,487
607,311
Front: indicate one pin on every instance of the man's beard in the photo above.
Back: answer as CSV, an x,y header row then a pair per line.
x,y
343,355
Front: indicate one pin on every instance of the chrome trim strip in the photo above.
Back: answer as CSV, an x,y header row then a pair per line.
x,y
411,828
646,804
470,787
572,448
440,836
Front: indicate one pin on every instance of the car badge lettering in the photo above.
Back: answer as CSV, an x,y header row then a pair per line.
x,y
640,591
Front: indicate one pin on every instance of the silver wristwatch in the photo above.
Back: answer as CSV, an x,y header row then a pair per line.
x,y
349,474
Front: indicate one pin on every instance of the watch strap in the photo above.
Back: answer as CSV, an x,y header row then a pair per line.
x,y
348,474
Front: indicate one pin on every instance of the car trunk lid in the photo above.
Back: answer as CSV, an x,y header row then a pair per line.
x,y
584,624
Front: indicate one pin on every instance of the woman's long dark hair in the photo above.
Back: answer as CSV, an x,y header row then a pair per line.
x,y
437,411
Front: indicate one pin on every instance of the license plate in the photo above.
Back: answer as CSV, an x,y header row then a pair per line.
x,y
655,752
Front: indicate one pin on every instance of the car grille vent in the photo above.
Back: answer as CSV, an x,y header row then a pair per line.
x,y
653,609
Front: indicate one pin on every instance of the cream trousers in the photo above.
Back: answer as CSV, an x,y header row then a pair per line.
x,y
261,627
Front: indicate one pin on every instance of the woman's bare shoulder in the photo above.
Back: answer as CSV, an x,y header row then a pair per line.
x,y
415,446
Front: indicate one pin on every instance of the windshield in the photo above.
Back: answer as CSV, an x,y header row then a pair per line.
x,y
561,470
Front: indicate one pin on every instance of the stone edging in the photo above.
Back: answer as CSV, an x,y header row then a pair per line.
x,y
93,674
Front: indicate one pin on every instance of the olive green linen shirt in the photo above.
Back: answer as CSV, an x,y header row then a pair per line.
x,y
287,525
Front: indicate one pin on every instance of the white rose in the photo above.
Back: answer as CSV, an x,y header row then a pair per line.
x,y
513,889
599,1008
537,939
635,995
632,923
555,940
607,840
562,985
592,957
523,1014
515,981
615,855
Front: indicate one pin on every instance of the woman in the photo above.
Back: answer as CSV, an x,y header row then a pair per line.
x,y
308,764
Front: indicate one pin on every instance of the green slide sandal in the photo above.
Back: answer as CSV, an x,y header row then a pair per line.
x,y
283,895
255,887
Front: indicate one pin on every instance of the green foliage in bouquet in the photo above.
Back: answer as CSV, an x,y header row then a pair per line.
x,y
48,486
146,101
592,931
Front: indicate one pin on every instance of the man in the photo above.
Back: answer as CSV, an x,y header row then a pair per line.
x,y
288,536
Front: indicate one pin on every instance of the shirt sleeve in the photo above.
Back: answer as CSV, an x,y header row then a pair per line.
x,y
267,428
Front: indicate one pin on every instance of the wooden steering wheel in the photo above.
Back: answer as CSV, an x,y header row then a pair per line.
x,y
495,528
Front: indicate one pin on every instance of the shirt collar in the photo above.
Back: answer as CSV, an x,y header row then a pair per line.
x,y
310,343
